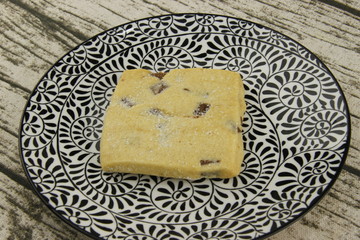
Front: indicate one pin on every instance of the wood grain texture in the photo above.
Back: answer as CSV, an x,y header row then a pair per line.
x,y
35,34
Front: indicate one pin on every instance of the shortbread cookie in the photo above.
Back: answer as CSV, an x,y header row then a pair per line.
x,y
182,124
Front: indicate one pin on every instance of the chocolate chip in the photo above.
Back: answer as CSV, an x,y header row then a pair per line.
x,y
159,75
209,161
159,87
186,89
201,109
127,102
238,130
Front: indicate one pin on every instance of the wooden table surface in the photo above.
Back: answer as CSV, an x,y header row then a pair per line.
x,y
35,34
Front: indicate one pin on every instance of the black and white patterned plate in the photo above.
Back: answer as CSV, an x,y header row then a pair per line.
x,y
296,133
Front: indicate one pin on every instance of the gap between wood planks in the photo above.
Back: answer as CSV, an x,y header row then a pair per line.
x,y
352,170
5,78
20,179
341,6
49,21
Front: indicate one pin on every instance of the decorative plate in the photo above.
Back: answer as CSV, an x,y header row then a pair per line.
x,y
296,133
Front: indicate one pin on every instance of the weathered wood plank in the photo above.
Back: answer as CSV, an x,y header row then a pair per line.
x,y
12,104
35,34
26,216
